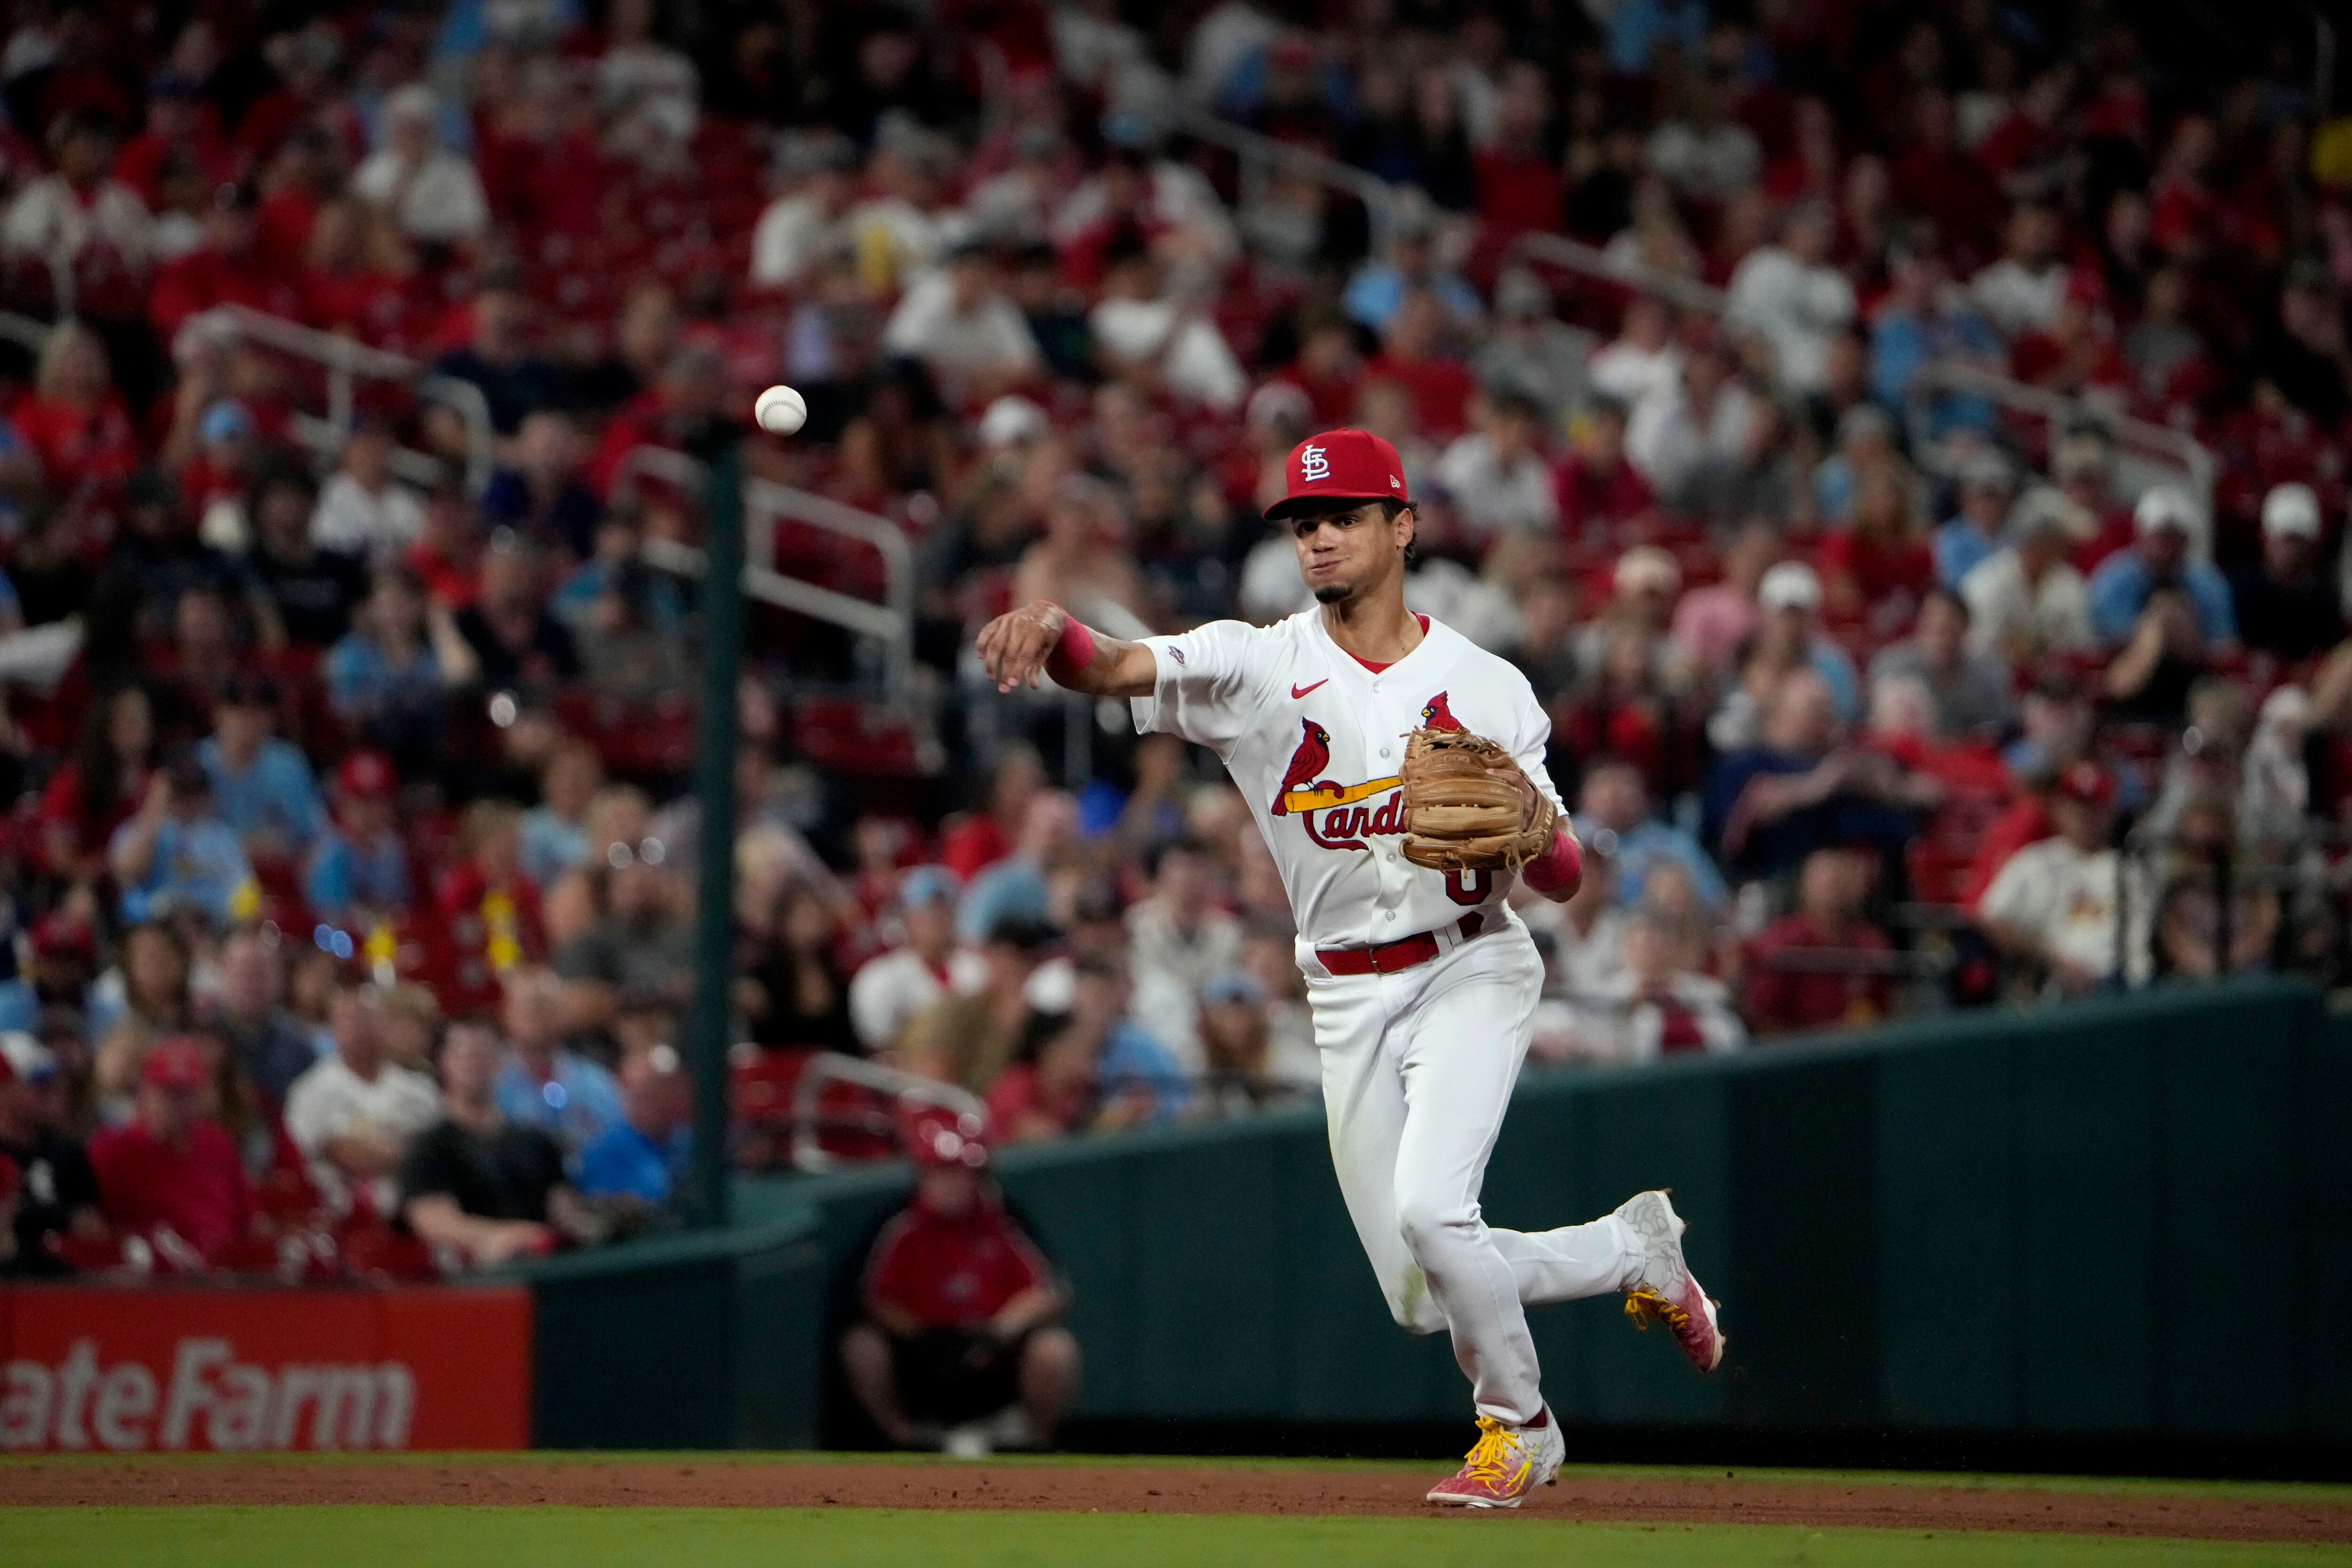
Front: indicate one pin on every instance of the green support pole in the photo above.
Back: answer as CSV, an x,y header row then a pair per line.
x,y
714,787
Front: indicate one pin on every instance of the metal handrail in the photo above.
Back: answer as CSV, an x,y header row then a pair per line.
x,y
1592,261
324,435
346,360
765,499
2191,457
833,1067
330,349
664,463
860,616
892,624
1254,146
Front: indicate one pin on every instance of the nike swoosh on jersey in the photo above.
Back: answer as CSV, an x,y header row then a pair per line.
x,y
1298,691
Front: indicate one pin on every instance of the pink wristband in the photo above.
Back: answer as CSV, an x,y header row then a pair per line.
x,y
1072,651
1557,868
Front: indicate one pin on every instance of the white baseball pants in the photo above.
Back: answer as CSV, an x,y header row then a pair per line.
x,y
1418,1068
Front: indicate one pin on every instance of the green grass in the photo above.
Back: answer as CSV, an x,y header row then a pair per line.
x,y
805,1537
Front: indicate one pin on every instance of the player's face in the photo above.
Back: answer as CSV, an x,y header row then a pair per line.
x,y
1341,554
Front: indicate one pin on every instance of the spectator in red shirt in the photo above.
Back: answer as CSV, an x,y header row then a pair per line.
x,y
305,172
1330,370
75,421
2084,463
1056,1087
356,276
980,838
1941,182
173,1167
679,406
97,792
179,121
1519,187
1824,964
1599,491
1879,566
228,268
488,909
1409,356
958,1344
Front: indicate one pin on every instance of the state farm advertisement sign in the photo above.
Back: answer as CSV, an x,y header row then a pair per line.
x,y
132,1371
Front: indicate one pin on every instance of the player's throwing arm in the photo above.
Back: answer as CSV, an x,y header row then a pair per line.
x,y
1041,638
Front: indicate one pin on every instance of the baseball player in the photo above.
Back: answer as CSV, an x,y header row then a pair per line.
x,y
1397,773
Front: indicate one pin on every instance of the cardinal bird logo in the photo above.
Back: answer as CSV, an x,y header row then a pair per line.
x,y
1436,715
1314,754
1305,793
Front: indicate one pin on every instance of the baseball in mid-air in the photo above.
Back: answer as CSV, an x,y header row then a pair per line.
x,y
780,411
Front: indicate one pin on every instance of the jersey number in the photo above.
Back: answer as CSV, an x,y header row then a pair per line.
x,y
1469,887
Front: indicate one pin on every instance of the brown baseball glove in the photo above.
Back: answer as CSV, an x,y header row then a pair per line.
x,y
1468,808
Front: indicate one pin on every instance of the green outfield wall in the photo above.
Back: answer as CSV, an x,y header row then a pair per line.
x,y
2129,1218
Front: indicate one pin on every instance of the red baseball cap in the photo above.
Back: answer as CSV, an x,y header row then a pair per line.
x,y
173,1063
2088,782
937,1138
55,934
365,774
1340,466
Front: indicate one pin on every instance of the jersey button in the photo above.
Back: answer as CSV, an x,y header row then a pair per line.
x,y
1384,751
1390,916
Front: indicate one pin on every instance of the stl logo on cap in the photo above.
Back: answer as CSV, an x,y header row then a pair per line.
x,y
1314,466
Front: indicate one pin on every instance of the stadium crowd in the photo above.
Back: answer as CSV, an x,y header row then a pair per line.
x,y
349,870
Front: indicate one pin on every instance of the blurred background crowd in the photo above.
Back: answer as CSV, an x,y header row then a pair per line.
x,y
1903,447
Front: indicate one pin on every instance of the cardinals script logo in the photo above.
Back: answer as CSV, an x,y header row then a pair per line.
x,y
1346,822
1313,465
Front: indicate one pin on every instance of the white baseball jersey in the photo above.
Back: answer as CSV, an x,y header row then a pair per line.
x,y
1314,738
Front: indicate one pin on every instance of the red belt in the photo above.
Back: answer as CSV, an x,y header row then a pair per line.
x,y
1402,953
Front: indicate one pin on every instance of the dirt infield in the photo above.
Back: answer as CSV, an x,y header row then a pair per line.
x,y
1161,1487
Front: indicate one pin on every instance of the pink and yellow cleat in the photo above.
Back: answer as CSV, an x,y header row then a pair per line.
x,y
1505,1464
1667,1290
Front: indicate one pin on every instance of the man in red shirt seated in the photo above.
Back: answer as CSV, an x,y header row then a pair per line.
x,y
1822,965
173,1168
1598,490
958,1347
230,268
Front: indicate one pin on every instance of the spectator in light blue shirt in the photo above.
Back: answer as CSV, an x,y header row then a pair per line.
x,y
262,786
1925,318
390,673
1638,29
177,854
1974,535
543,1084
2162,556
1865,440
1789,594
555,831
360,873
1095,992
1613,800
647,1152
1381,286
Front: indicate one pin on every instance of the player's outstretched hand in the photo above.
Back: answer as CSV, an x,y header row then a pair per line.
x,y
1013,648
